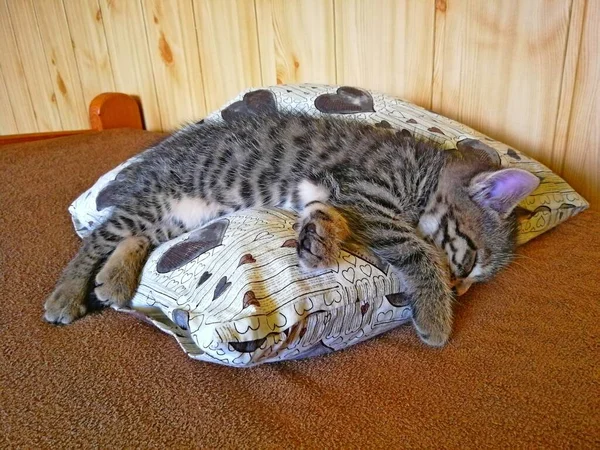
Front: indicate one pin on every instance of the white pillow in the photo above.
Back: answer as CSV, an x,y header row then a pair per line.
x,y
232,292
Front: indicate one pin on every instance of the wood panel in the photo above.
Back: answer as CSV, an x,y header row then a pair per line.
x,y
34,68
569,73
175,60
60,59
386,45
17,97
499,66
130,58
525,72
228,44
581,164
8,124
296,39
88,41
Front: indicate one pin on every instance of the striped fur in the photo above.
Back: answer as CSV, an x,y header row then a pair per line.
x,y
353,181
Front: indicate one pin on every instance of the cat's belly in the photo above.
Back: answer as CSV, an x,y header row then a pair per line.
x,y
193,211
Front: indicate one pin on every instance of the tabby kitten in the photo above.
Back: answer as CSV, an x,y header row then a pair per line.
x,y
440,219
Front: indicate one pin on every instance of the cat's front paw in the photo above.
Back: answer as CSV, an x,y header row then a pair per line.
x,y
322,231
66,303
434,323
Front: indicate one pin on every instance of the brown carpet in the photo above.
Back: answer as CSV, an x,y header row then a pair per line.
x,y
522,369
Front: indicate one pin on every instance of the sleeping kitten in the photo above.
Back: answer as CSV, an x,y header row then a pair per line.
x,y
440,219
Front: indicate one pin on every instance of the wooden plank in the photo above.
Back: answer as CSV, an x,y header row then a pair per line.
x,y
500,67
60,59
175,60
296,39
228,47
581,166
86,28
30,137
129,54
567,89
8,124
386,45
35,68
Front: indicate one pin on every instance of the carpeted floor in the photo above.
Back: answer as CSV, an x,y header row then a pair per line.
x,y
522,369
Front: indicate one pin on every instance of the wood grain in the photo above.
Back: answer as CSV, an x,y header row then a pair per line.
x,y
34,67
8,124
17,97
569,73
228,44
386,45
175,60
88,41
130,58
581,164
499,66
296,39
60,59
522,71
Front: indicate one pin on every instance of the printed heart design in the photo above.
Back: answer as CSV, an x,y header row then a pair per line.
x,y
246,259
384,317
411,121
263,235
346,100
436,130
181,318
197,243
248,346
303,307
290,243
473,150
250,300
513,154
221,287
107,196
332,297
349,274
205,276
383,124
398,300
350,259
364,308
275,321
404,133
366,269
254,103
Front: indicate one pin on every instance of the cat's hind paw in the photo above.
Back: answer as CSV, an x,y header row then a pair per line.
x,y
322,231
118,280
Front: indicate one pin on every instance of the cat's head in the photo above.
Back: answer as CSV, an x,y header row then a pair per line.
x,y
471,217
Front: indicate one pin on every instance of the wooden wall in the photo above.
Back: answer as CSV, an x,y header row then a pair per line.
x,y
523,71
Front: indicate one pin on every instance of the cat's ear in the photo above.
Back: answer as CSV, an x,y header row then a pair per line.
x,y
502,190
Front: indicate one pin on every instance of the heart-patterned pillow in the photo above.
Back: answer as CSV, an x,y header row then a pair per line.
x,y
232,293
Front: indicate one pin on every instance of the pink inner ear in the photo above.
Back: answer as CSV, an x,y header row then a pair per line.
x,y
504,189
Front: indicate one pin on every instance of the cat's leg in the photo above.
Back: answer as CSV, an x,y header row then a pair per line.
x,y
118,280
424,270
322,230
131,235
68,301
